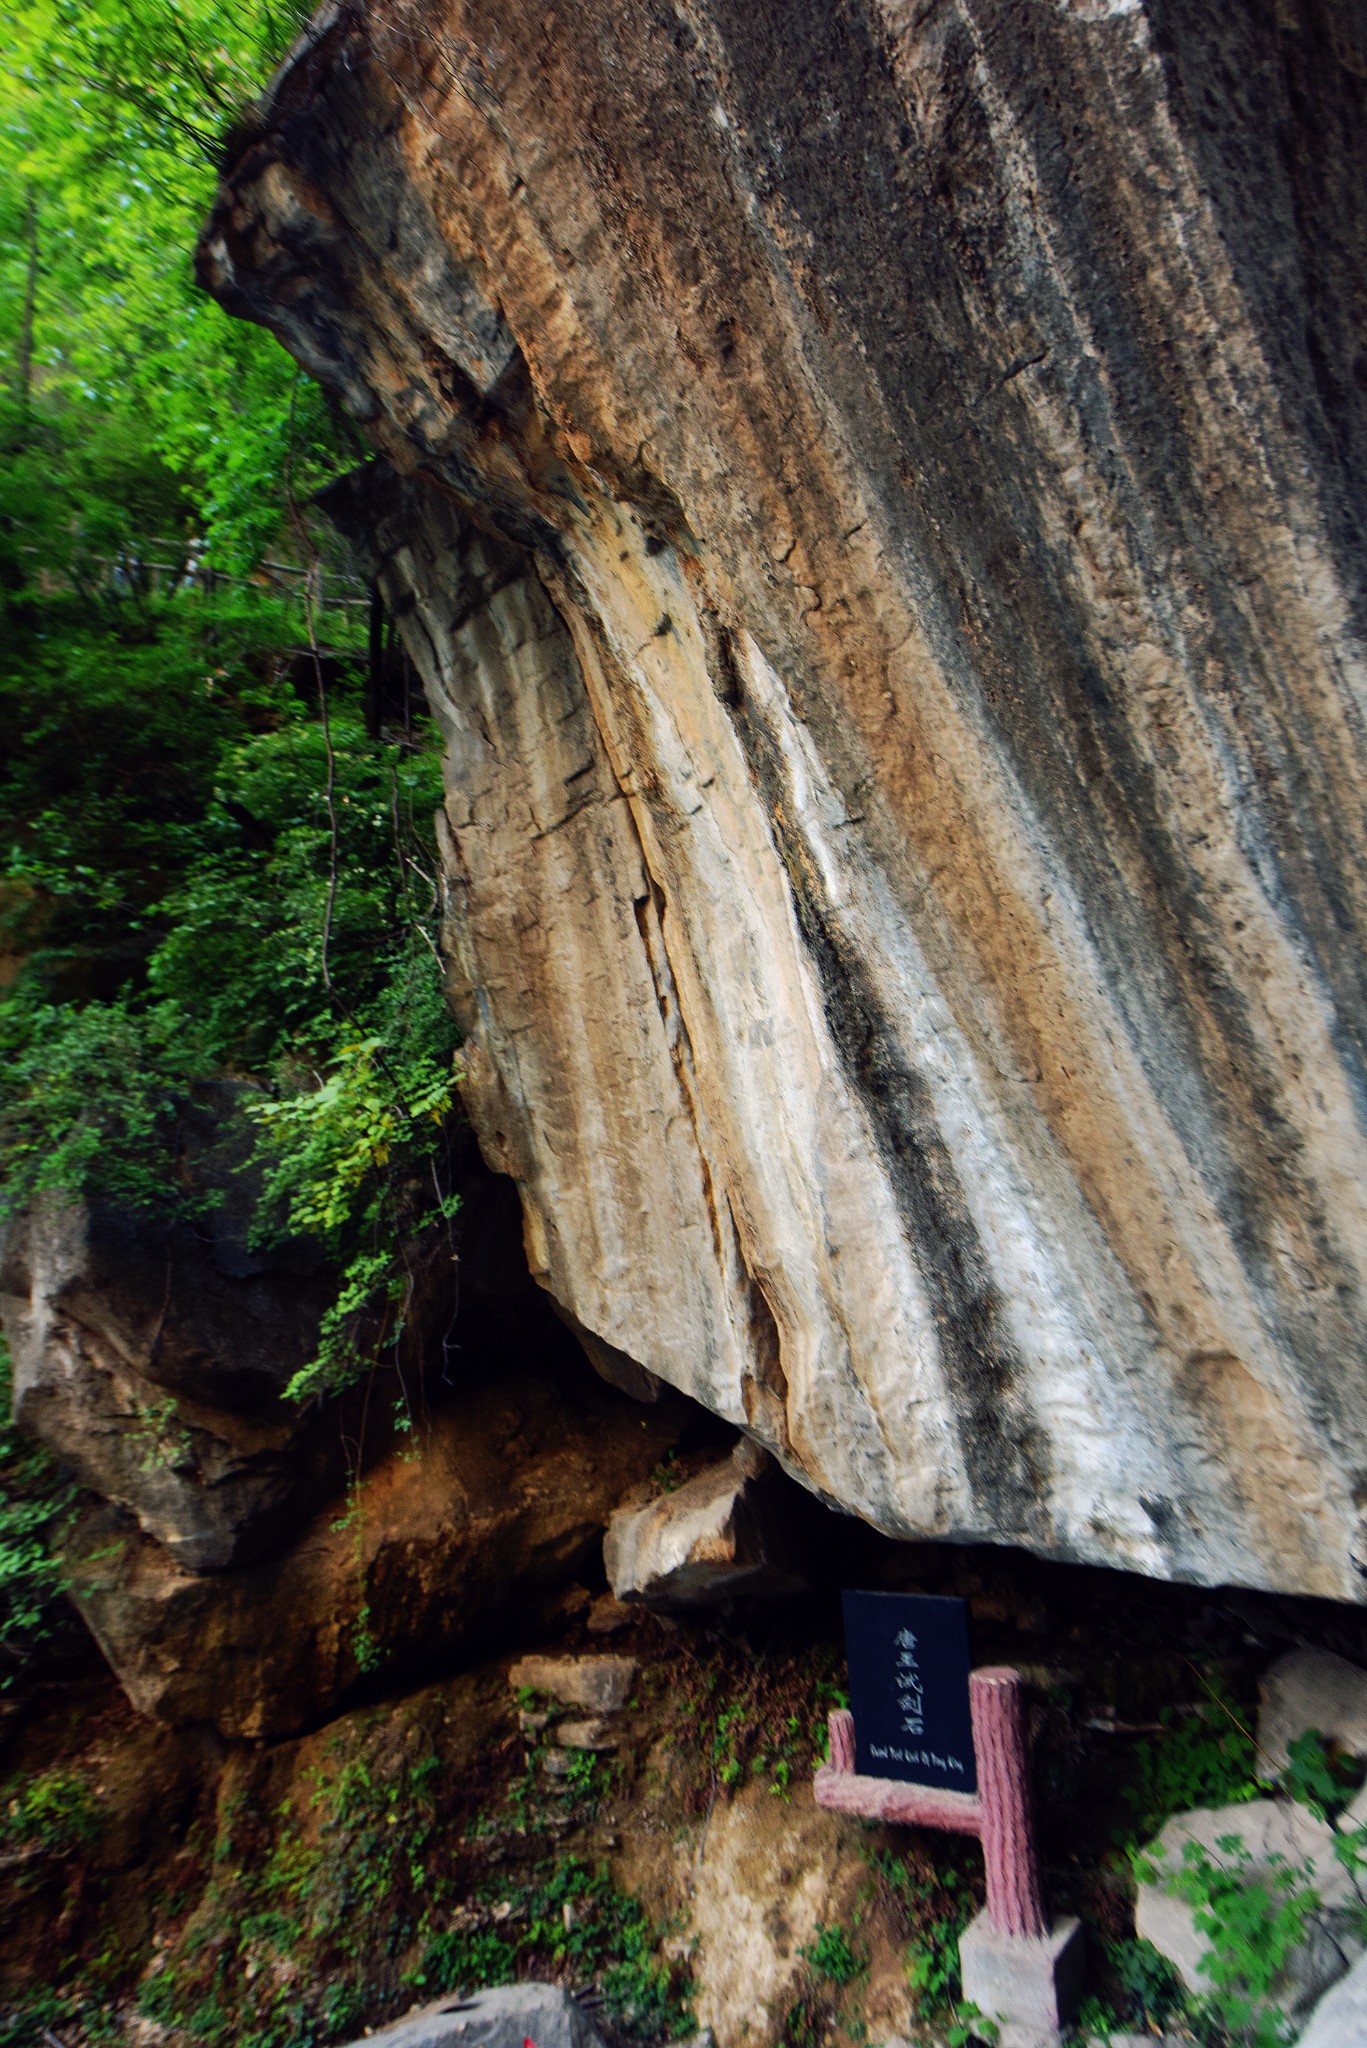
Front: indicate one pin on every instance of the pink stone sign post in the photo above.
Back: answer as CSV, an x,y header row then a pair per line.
x,y
1014,1964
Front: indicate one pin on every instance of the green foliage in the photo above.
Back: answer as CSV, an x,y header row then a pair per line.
x,y
831,1956
1151,1995
1205,1757
937,1905
566,1916
1253,1917
256,926
52,1815
346,1164
465,1959
341,1877
91,1097
33,1497
970,2025
1320,1777
112,114
769,1724
831,1964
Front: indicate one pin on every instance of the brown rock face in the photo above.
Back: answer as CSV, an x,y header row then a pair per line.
x,y
496,1501
871,489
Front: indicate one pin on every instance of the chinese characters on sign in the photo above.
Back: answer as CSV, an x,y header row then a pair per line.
x,y
908,1657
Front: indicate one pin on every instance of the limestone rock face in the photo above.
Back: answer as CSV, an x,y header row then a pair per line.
x,y
870,488
502,1495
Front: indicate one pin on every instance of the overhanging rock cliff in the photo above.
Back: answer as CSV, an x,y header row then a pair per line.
x,y
871,490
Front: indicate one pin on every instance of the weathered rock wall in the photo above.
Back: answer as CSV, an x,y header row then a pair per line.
x,y
872,489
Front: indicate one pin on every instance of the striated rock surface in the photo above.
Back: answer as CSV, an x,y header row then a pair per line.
x,y
872,489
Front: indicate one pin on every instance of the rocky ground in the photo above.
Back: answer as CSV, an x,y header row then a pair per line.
x,y
611,1799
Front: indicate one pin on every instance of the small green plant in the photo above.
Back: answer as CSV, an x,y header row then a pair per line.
x,y
1204,1757
1323,1779
937,1906
831,1956
166,1445
582,1774
1151,1995
53,1815
1319,1776
1253,1917
667,1478
726,1741
969,2025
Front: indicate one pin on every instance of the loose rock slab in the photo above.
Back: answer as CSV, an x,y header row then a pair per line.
x,y
720,1536
600,1684
505,2018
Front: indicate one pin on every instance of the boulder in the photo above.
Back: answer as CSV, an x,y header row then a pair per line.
x,y
152,1359
602,1684
873,493
1273,1832
722,1535
1310,1690
595,1732
509,2017
501,1496
1340,2018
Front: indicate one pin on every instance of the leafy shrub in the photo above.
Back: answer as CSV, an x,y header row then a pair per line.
x,y
1205,1757
51,1815
1253,1920
90,1100
274,865
830,1956
33,1496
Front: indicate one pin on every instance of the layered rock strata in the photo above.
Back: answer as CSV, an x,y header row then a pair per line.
x,y
871,489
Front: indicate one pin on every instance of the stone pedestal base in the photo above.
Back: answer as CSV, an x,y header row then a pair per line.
x,y
1030,1986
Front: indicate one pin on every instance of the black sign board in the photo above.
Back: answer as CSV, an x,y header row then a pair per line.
x,y
908,1657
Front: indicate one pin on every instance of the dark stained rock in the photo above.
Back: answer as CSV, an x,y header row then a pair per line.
x,y
153,1360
